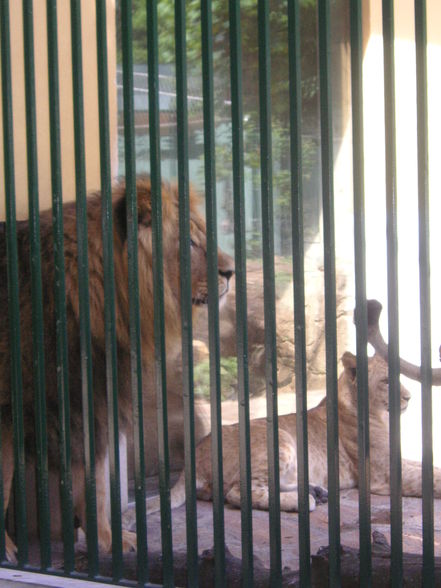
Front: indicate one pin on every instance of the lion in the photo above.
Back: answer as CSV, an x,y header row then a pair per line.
x,y
170,229
318,477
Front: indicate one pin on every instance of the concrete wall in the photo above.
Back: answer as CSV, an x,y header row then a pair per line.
x,y
407,187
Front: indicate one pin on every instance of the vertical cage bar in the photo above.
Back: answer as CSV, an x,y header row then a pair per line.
x,y
330,293
83,291
2,501
425,311
13,290
132,252
185,277
60,292
269,291
298,259
158,291
241,294
356,33
109,290
392,285
36,290
213,293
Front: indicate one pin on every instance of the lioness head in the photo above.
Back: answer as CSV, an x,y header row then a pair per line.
x,y
170,248
378,378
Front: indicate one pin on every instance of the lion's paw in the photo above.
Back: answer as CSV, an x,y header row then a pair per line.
x,y
319,493
129,541
129,518
11,550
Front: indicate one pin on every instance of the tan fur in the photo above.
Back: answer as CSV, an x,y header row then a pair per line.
x,y
170,213
348,449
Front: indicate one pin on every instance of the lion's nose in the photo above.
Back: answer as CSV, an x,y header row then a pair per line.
x,y
227,273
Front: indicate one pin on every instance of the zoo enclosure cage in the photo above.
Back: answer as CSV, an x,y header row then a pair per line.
x,y
256,194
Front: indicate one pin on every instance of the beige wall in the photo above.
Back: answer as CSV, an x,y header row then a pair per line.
x,y
66,115
407,190
407,170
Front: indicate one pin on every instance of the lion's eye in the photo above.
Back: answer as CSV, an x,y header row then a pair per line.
x,y
192,243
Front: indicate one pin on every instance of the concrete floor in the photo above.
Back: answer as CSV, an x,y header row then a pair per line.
x,y
380,518
380,505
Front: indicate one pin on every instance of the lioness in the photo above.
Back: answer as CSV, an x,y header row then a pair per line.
x,y
348,449
97,325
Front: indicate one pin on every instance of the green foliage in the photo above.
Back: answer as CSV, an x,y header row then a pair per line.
x,y
250,45
279,94
228,373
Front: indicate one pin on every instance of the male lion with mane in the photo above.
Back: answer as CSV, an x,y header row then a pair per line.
x,y
170,213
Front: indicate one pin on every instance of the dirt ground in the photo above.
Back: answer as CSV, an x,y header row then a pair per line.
x,y
380,519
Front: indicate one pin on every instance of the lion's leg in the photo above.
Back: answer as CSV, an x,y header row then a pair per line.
x,y
8,474
233,496
411,478
259,495
104,529
411,473
79,491
289,501
437,482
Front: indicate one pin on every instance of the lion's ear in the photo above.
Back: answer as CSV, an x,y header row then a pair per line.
x,y
350,364
144,207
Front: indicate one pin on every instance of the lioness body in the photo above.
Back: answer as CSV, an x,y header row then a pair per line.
x,y
170,212
317,450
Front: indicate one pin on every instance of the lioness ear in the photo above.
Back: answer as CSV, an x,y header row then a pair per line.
x,y
350,364
144,206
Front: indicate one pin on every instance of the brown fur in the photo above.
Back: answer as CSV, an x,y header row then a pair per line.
x,y
96,294
348,450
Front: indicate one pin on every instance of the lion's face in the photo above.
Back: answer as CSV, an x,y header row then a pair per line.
x,y
199,264
378,377
171,257
198,245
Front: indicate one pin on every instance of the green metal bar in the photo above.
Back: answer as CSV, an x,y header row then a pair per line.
x,y
158,291
132,251
330,293
213,293
185,277
2,499
13,290
36,291
60,292
360,294
83,288
269,293
241,295
109,291
392,273
425,312
298,261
